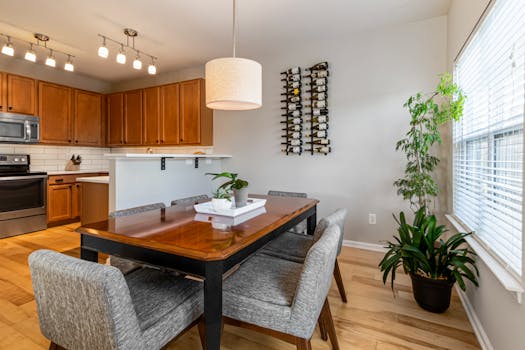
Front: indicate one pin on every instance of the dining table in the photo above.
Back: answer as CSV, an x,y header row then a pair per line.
x,y
204,246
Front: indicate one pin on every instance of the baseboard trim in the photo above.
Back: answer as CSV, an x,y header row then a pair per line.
x,y
364,245
483,338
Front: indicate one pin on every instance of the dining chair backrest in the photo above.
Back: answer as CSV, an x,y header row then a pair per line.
x,y
315,281
190,200
136,210
300,228
83,305
338,218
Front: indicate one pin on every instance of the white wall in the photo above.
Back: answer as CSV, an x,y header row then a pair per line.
x,y
500,315
371,75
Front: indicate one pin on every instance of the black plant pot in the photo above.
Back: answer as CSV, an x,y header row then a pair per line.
x,y
431,294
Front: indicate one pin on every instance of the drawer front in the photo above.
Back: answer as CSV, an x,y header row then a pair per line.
x,y
70,178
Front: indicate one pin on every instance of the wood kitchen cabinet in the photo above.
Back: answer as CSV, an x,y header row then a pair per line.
x,y
151,114
87,118
161,115
54,109
125,118
69,116
64,198
190,112
20,94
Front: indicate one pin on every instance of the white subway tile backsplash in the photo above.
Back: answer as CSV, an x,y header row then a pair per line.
x,y
55,158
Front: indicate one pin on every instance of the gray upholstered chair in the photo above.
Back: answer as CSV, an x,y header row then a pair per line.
x,y
190,200
300,228
127,265
284,298
294,247
83,305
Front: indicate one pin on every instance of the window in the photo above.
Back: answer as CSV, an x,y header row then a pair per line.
x,y
488,141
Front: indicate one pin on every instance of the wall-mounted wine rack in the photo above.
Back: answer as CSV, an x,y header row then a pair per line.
x,y
316,110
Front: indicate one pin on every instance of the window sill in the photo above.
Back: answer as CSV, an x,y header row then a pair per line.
x,y
506,278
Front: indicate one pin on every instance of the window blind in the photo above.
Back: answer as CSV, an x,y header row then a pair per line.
x,y
488,140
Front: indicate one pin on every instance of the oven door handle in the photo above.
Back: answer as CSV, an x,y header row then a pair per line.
x,y
10,178
28,130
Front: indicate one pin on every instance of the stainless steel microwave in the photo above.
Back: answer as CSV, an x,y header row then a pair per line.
x,y
19,128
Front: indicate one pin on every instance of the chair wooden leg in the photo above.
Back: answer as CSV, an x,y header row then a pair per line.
x,y
303,344
329,324
322,328
339,281
202,332
54,346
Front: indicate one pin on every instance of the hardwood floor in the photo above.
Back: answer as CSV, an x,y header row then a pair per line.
x,y
372,319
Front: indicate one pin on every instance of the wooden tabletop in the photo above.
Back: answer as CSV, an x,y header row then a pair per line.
x,y
175,230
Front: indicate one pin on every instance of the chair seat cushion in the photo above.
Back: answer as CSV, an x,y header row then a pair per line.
x,y
165,304
262,291
289,246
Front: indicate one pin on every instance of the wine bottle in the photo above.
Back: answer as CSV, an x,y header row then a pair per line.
x,y
291,92
318,66
293,70
293,127
294,135
318,111
319,142
292,77
318,119
316,133
317,96
317,74
294,149
295,106
318,81
292,121
321,126
293,84
317,104
292,99
318,88
324,149
296,113
293,142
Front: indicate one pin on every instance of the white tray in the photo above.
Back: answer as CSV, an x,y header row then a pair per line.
x,y
253,203
224,222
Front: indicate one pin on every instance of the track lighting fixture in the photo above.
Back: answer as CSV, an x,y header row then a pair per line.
x,y
8,49
121,57
31,55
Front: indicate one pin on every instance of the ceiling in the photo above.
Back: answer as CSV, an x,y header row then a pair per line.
x,y
184,33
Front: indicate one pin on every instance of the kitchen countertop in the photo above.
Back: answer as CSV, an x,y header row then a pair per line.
x,y
72,172
94,179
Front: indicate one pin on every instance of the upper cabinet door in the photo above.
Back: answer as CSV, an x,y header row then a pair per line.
x,y
170,111
190,112
54,109
115,107
87,124
21,95
133,117
151,97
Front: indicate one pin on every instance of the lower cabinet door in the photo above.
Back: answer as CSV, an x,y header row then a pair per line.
x,y
76,200
59,202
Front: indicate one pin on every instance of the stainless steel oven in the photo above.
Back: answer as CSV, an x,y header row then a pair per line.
x,y
22,197
19,128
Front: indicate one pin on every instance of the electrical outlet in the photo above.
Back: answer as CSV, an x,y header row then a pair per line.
x,y
372,219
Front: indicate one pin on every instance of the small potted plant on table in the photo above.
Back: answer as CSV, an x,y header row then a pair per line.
x,y
221,200
238,186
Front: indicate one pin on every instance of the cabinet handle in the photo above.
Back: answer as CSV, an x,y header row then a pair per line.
x,y
76,141
70,186
59,180
121,141
161,141
125,141
69,141
1,107
10,108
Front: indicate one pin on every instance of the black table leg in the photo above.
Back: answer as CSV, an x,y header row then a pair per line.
x,y
213,304
87,254
311,222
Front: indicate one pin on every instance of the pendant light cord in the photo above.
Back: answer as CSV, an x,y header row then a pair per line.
x,y
234,27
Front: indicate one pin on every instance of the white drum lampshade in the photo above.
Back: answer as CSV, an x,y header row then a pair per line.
x,y
233,84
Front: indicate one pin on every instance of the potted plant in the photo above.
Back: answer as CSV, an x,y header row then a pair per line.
x,y
238,186
434,265
221,200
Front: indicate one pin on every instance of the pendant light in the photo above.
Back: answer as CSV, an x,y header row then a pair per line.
x,y
8,49
233,83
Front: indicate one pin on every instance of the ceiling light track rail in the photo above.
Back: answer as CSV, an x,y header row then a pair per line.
x,y
30,55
